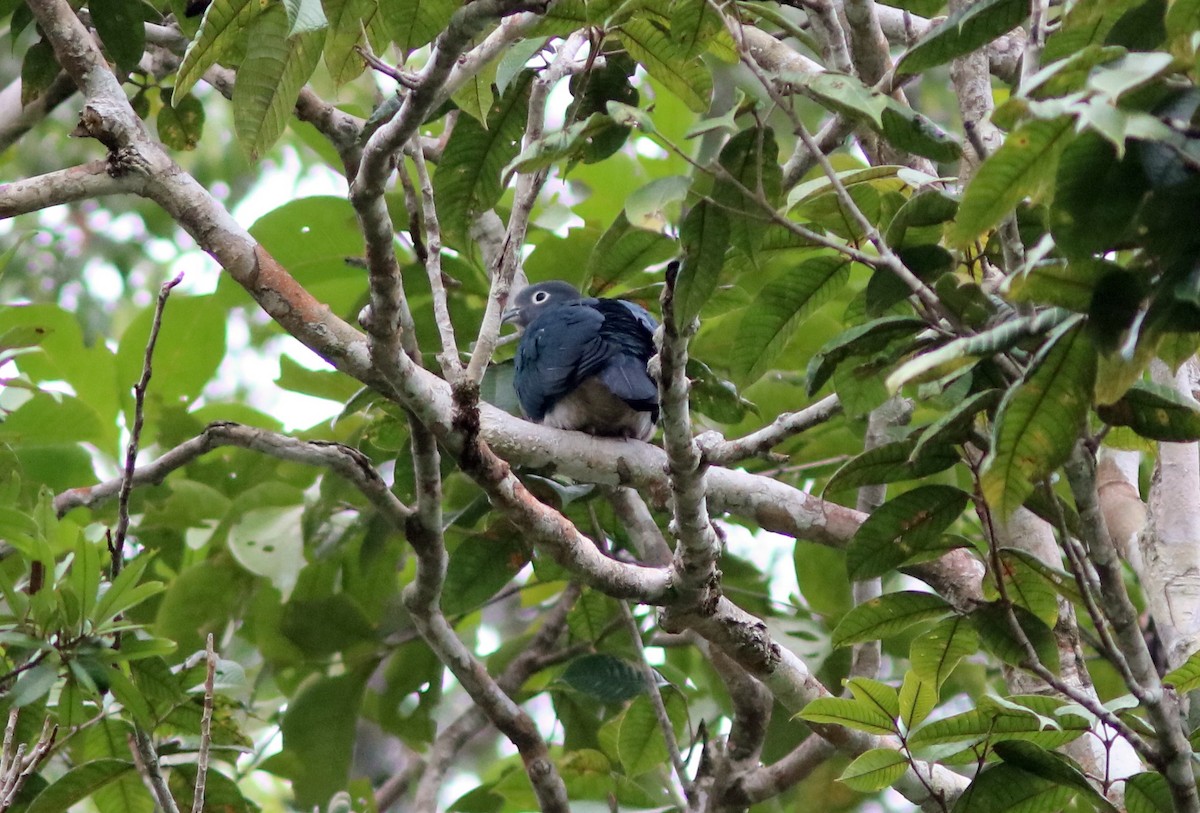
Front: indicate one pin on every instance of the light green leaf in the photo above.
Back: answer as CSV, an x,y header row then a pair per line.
x,y
846,94
347,19
917,699
1148,793
887,615
1040,419
181,123
668,62
1022,718
622,252
779,309
223,21
647,208
304,16
414,23
269,81
1186,676
874,770
269,543
856,714
934,654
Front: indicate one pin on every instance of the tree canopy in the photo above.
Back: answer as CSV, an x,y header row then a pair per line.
x,y
920,527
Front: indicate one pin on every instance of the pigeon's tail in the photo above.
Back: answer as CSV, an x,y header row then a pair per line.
x,y
626,378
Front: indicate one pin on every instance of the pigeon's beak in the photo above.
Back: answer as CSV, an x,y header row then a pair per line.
x,y
510,314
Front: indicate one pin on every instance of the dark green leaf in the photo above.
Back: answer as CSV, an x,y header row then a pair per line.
x,y
181,123
860,340
479,567
887,615
604,677
121,28
891,463
908,130
668,62
1040,419
903,528
962,32
1155,412
39,69
1002,788
78,784
705,237
414,23
1148,793
997,633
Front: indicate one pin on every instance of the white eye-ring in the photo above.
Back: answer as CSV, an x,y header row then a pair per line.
x,y
540,297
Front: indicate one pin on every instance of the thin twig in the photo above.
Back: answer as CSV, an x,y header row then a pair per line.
x,y
205,727
135,432
146,760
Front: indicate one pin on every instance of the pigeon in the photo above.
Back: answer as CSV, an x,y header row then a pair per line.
x,y
581,361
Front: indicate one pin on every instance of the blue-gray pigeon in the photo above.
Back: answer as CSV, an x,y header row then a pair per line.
x,y
581,361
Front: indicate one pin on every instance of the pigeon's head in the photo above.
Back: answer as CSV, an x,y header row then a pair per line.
x,y
532,300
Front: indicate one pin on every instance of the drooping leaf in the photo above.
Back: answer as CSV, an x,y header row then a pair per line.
x,y
181,123
79,783
318,730
269,81
304,16
223,22
750,185
1186,676
468,178
859,340
780,308
414,23
478,568
1023,165
908,130
1048,765
668,62
1039,420
39,68
705,238
995,626
891,463
346,19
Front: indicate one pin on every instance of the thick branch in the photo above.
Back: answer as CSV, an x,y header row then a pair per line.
x,y
86,181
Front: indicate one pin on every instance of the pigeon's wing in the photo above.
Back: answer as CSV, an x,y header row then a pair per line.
x,y
559,350
628,330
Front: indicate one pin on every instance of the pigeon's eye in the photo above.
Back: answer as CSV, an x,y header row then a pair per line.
x,y
540,297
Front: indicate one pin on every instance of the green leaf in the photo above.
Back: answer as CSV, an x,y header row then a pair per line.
x,y
962,32
1155,412
640,743
33,684
1186,676
121,28
304,16
223,22
902,528
123,590
668,62
319,627
414,23
917,699
934,654
85,576
622,252
908,130
859,340
1148,793
1050,766
478,568
346,24
1039,421
954,354
779,309
319,729
569,142
181,123
468,179
874,770
705,237
1028,588
887,615
39,69
955,425
268,542
750,187
270,79
1025,717
1005,789
996,631
607,678
846,94
694,23
891,462
1096,197
78,784
1021,167
876,693
856,714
